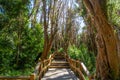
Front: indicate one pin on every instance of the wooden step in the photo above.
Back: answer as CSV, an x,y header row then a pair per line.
x,y
58,57
60,60
59,67
59,64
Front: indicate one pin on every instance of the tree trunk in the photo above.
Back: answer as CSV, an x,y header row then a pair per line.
x,y
102,65
118,44
50,21
107,58
44,54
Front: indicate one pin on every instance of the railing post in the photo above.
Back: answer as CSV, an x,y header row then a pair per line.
x,y
81,76
40,68
77,66
32,76
74,63
43,68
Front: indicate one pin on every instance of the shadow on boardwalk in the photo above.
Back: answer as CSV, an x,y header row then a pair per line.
x,y
59,74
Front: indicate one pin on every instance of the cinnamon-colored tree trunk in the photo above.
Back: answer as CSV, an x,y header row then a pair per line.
x,y
50,23
47,40
108,64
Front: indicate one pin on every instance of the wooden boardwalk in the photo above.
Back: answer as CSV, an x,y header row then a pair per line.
x,y
62,67
59,70
59,74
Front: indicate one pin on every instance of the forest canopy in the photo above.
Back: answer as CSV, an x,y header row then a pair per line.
x,y
87,30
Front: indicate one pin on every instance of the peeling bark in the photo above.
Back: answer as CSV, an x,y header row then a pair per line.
x,y
107,58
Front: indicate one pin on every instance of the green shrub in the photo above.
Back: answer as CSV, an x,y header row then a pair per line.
x,y
83,55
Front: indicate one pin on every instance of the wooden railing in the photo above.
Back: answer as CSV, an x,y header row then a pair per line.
x,y
42,68
16,78
77,67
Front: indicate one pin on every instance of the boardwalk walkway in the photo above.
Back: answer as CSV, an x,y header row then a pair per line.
x,y
59,70
59,74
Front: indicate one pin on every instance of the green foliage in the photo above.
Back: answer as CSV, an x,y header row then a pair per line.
x,y
82,10
13,72
61,50
18,41
31,45
83,55
113,9
13,8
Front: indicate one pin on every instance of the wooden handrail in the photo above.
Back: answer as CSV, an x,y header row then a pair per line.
x,y
14,77
77,67
42,67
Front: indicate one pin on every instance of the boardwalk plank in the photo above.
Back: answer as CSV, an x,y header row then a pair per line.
x,y
59,74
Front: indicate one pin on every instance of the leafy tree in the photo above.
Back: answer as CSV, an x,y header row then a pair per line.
x,y
19,42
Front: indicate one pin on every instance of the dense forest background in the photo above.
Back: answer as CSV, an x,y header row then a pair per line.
x,y
29,28
20,41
